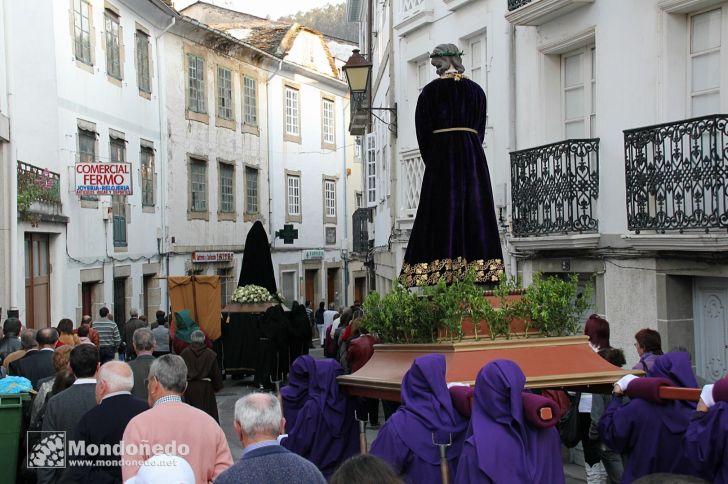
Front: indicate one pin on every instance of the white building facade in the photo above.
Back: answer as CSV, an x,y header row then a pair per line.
x,y
84,86
586,102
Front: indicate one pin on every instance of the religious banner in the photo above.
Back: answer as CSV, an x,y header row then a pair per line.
x,y
103,179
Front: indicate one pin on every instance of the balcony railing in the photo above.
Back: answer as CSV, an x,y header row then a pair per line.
x,y
514,4
676,175
38,185
360,218
412,169
554,188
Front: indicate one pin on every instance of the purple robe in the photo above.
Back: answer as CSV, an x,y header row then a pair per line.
x,y
405,439
651,434
455,228
504,448
706,443
324,430
295,394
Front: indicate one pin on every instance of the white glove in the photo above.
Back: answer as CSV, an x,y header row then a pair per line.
x,y
457,384
281,437
707,396
624,381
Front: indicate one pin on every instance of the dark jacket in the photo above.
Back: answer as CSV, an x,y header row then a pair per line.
x,y
140,368
63,412
129,328
35,365
273,465
8,344
103,424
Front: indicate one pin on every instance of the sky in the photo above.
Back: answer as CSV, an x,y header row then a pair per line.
x,y
264,8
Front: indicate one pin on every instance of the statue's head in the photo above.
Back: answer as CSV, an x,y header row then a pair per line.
x,y
445,57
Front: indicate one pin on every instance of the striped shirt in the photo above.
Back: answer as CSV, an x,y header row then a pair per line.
x,y
108,333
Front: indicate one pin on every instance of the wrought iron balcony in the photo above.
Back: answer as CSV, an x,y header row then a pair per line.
x,y
554,188
359,219
514,4
676,175
39,194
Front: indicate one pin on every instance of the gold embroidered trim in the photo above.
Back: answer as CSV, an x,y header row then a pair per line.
x,y
447,130
450,270
453,75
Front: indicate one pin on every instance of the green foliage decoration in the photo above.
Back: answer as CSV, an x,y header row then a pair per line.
x,y
554,305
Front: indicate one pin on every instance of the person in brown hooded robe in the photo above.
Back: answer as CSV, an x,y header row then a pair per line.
x,y
203,375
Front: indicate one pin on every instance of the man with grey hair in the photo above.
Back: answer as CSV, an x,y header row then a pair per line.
x,y
27,343
203,375
172,426
104,424
258,422
144,343
130,328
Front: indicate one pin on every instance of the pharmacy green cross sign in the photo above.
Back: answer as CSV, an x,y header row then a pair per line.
x,y
288,234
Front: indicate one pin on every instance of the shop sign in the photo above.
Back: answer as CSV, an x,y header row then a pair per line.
x,y
314,254
212,256
103,178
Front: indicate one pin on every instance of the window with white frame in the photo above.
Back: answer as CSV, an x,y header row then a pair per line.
x,y
195,83
117,151
82,30
476,59
294,194
250,101
224,93
330,198
424,75
147,162
578,84
251,190
113,44
371,146
198,185
227,187
142,61
327,121
705,69
86,146
292,112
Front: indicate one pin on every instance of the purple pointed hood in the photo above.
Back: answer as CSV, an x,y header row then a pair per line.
x,y
295,394
326,392
500,432
427,408
676,367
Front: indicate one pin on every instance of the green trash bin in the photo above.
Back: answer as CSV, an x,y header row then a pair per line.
x,y
11,413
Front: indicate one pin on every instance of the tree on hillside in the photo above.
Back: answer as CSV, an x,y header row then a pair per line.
x,y
329,19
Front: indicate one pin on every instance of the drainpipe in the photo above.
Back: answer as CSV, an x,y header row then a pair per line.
x,y
345,197
163,150
267,137
11,165
512,130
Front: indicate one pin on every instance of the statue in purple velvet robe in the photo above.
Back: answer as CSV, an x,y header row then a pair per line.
x,y
504,447
427,413
322,427
455,229
651,434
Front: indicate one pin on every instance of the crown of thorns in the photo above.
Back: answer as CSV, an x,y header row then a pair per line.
x,y
446,53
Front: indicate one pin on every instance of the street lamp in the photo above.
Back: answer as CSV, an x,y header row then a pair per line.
x,y
357,70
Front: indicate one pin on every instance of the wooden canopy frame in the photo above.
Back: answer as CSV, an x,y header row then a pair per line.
x,y
563,363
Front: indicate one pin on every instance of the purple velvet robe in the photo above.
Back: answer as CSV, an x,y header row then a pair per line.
x,y
650,434
503,447
405,440
706,443
324,430
455,227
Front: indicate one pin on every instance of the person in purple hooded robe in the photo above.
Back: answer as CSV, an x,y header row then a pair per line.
x,y
427,413
323,428
650,435
706,440
504,447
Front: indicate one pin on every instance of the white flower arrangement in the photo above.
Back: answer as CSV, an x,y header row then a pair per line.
x,y
251,294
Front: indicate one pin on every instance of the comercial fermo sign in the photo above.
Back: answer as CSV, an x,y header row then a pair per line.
x,y
103,179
